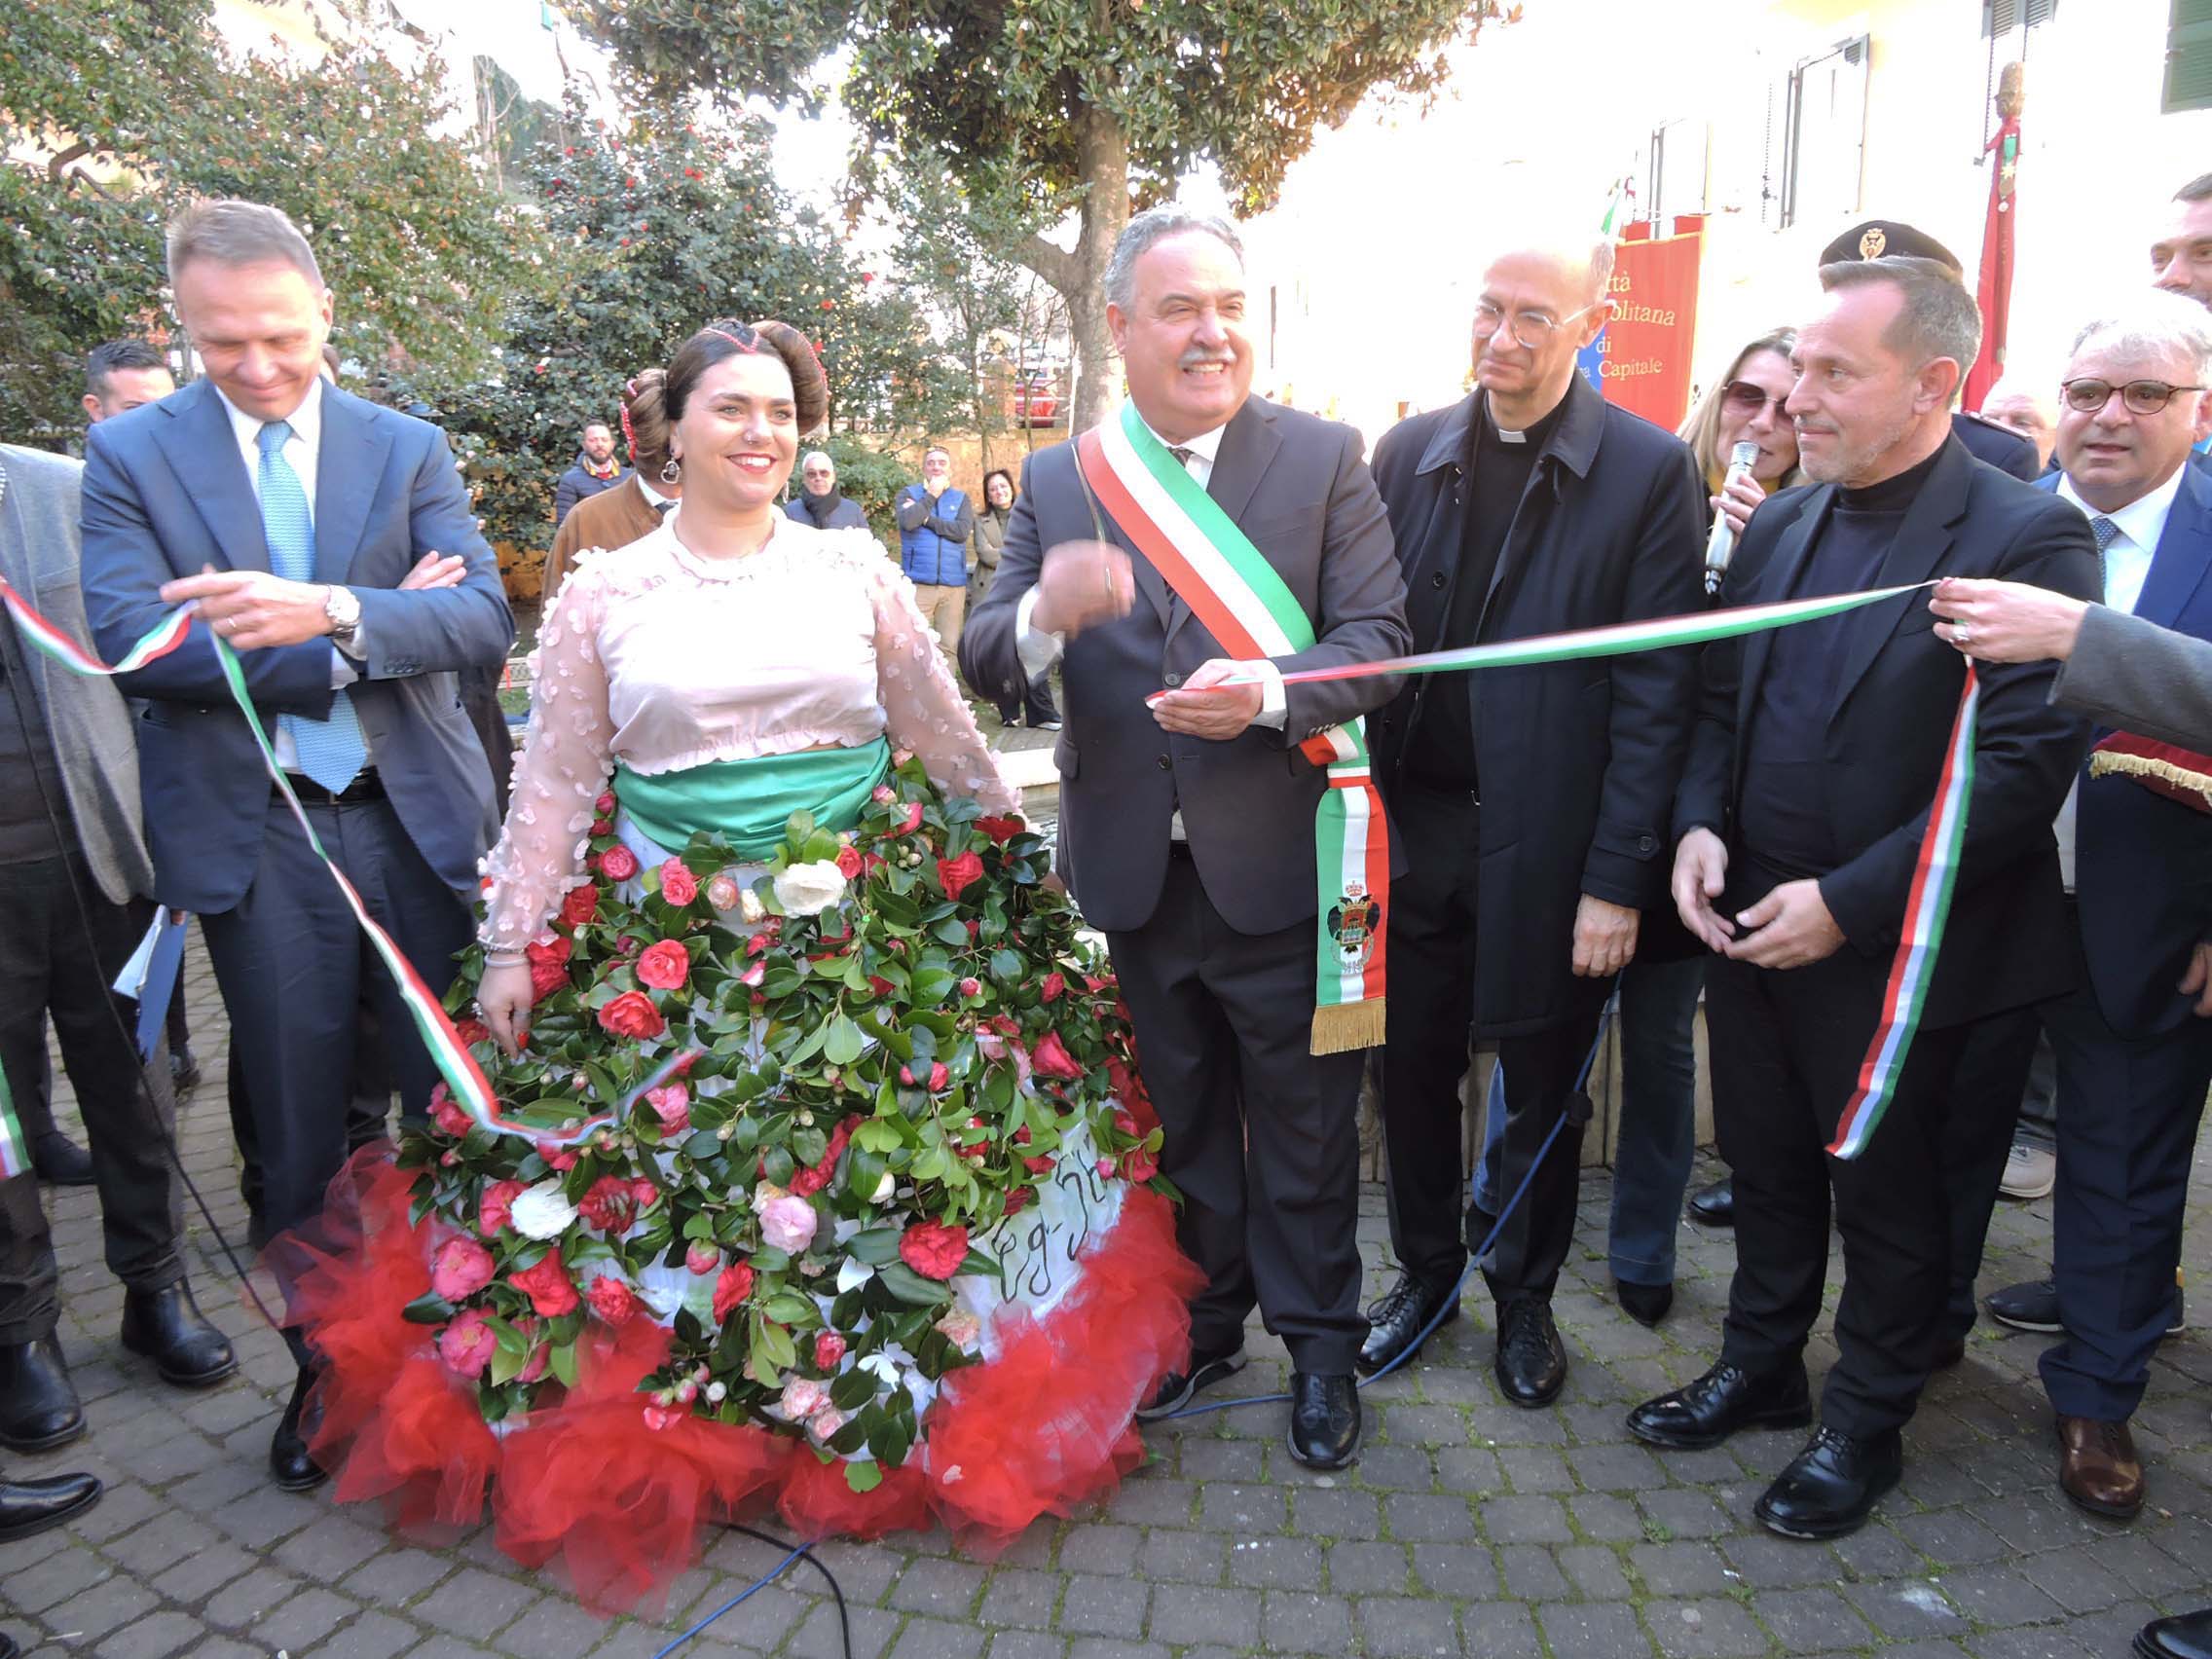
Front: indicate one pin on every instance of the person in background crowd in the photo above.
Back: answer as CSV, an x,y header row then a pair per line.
x,y
1188,828
1532,804
2025,407
818,502
2181,255
72,858
1036,699
2133,1039
1886,239
634,509
123,375
1816,750
596,470
933,524
358,675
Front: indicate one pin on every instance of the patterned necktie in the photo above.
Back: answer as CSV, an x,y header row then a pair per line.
x,y
1183,457
2104,530
330,751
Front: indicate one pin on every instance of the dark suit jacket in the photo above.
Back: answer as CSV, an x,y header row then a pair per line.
x,y
2000,446
1297,486
2008,940
2143,861
166,495
1578,761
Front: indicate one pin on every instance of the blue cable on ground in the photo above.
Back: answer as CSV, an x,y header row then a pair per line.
x,y
755,1588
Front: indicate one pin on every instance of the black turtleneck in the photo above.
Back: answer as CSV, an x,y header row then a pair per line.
x,y
1787,817
1441,753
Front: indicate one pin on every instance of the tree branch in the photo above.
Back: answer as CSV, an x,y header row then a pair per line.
x,y
1055,264
59,163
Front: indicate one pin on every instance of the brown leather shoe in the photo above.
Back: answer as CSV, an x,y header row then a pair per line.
x,y
2097,1466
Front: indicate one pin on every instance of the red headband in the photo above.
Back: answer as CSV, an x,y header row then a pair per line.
x,y
629,432
752,346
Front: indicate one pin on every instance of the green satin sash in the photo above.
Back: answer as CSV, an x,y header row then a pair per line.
x,y
749,804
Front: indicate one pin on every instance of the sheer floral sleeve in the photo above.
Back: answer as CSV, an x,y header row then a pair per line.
x,y
922,705
567,758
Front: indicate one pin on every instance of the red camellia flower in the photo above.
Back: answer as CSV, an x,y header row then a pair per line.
x,y
1001,830
828,1349
701,1258
664,966
970,987
678,885
1055,986
580,906
811,1180
1041,1164
470,1032
644,1192
957,873
1019,1198
1050,1059
632,1015
1139,1164
497,1206
601,826
556,951
882,987
559,1158
461,1269
548,1286
611,1301
619,863
605,804
447,1112
933,1249
912,822
732,1288
609,1206
849,862
545,978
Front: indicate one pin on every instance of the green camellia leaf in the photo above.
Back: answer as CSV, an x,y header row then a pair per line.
x,y
912,1288
853,1389
787,1306
563,1364
874,1247
810,1145
842,1041
770,1260
428,1308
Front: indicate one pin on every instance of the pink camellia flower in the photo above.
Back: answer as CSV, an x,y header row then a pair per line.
x,y
540,1358
660,1416
672,1105
619,863
644,1192
1056,984
723,892
826,1422
899,757
612,1300
970,987
884,795
702,1258
603,805
1105,1169
829,1350
558,1157
788,1224
912,822
497,1206
447,1113
803,1398
466,1344
961,1328
461,1269
678,885
664,965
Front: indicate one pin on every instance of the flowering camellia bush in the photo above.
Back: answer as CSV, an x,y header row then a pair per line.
x,y
817,1097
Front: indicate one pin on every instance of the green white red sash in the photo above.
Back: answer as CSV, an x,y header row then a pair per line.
x,y
1238,597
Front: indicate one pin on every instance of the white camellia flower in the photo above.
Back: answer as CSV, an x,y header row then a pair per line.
x,y
809,889
886,1190
852,1273
542,1212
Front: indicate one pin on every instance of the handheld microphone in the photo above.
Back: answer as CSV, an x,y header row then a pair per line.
x,y
1723,546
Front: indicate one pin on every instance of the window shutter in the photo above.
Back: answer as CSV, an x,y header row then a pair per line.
x,y
2189,56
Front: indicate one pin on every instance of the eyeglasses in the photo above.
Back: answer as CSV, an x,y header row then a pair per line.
x,y
1532,329
1750,397
2140,397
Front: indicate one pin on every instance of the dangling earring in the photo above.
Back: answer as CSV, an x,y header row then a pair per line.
x,y
672,471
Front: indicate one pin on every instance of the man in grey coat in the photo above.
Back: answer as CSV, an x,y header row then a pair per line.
x,y
72,858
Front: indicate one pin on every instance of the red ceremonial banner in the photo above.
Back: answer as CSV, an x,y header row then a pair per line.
x,y
1643,359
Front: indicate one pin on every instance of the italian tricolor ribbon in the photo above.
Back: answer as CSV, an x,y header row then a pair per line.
x,y
462,1076
1935,872
1238,597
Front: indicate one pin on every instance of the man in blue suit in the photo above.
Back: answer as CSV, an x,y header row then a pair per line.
x,y
2135,1039
290,513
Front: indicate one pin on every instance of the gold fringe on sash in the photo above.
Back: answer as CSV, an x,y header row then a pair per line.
x,y
1342,1026
2110,761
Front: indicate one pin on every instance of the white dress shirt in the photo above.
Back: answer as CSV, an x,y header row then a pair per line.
x,y
303,451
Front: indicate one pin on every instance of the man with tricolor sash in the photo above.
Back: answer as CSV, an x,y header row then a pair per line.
x,y
1865,838
1218,826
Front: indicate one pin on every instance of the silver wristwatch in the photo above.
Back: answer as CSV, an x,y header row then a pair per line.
x,y
344,609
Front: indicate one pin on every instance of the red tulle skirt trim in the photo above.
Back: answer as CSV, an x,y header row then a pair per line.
x,y
1042,1429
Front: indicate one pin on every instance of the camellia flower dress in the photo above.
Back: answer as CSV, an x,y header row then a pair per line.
x,y
824,1182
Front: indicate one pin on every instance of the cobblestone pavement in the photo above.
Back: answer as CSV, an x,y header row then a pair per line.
x,y
1467,1526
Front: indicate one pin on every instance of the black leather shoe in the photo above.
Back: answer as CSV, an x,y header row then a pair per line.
x,y
1830,1488
1645,1304
1177,1386
1708,1411
166,1326
1324,1419
8,1647
184,1069
288,1458
1397,1324
2185,1636
32,1506
61,1162
38,1403
1714,1205
1532,1360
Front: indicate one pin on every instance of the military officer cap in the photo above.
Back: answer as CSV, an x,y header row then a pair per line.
x,y
1886,239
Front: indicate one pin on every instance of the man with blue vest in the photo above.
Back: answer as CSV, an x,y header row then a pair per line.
x,y
934,523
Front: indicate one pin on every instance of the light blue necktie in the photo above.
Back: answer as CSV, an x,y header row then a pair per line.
x,y
330,751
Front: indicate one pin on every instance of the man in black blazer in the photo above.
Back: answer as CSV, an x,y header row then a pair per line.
x,y
1187,831
1812,771
1533,804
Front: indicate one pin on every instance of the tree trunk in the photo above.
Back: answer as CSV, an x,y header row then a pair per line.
x,y
1103,149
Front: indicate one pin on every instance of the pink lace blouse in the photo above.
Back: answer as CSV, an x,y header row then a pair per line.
x,y
663,660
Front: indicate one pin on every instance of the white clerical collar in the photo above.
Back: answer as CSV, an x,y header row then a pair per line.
x,y
1205,446
305,420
